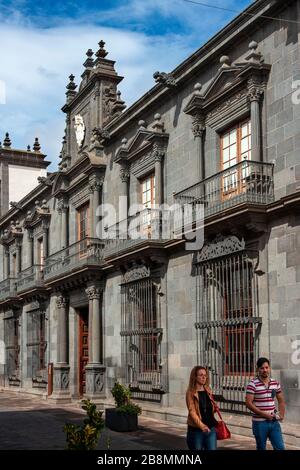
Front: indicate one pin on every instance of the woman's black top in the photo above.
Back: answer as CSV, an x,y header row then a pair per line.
x,y
206,409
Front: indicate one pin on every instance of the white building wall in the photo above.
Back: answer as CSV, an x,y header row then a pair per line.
x,y
22,180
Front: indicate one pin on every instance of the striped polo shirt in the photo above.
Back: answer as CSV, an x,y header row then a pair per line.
x,y
264,396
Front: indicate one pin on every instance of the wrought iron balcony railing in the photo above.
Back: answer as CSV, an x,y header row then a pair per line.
x,y
143,227
30,278
8,288
84,253
246,182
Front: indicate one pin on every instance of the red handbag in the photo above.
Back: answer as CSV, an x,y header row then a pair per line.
x,y
221,429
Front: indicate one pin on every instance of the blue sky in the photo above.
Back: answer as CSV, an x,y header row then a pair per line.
x,y
41,43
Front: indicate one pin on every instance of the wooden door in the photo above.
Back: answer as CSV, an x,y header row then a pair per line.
x,y
83,348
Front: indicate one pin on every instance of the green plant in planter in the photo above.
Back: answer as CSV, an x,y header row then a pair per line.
x,y
86,436
123,401
121,394
124,417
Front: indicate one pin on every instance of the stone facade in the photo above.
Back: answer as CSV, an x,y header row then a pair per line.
x,y
145,311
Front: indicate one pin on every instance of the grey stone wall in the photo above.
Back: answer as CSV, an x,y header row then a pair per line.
x,y
284,287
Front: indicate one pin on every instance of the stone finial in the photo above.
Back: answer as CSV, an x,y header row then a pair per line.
x,y
158,126
71,85
254,56
36,146
142,124
101,53
197,88
89,62
253,45
225,61
124,142
118,105
7,141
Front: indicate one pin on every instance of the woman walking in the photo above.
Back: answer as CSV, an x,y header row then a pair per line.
x,y
201,433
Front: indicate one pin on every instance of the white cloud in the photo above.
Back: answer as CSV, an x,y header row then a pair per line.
x,y
36,61
36,64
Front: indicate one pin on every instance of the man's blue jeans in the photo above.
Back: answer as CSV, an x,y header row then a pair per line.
x,y
199,440
263,430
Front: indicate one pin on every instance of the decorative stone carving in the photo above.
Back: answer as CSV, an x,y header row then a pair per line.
x,y
93,292
255,93
95,183
62,206
198,125
166,79
15,205
135,273
124,174
61,301
231,101
95,380
79,127
221,246
45,181
157,153
61,378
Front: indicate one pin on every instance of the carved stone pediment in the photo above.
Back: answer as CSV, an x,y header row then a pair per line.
x,y
40,215
231,79
138,145
144,148
13,234
224,80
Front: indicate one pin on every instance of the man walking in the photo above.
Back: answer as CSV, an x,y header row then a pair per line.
x,y
260,399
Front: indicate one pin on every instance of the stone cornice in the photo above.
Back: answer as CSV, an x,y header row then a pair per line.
x,y
23,158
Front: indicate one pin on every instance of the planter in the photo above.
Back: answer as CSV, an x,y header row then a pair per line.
x,y
119,421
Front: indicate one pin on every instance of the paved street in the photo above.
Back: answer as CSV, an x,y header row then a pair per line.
x,y
36,424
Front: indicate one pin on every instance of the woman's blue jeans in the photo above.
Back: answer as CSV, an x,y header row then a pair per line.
x,y
263,430
199,440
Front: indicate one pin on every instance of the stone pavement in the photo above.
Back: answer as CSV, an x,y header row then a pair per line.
x,y
36,424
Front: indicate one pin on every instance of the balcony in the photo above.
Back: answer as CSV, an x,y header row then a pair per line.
x,y
8,289
81,255
245,183
30,278
141,230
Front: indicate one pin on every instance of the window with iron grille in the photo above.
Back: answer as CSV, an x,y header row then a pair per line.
x,y
227,325
12,345
36,344
141,336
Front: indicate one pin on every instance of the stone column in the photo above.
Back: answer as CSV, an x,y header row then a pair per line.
x,y
158,158
198,131
61,368
64,225
91,209
96,183
30,248
63,211
45,240
255,94
95,370
6,262
62,314
124,198
19,254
